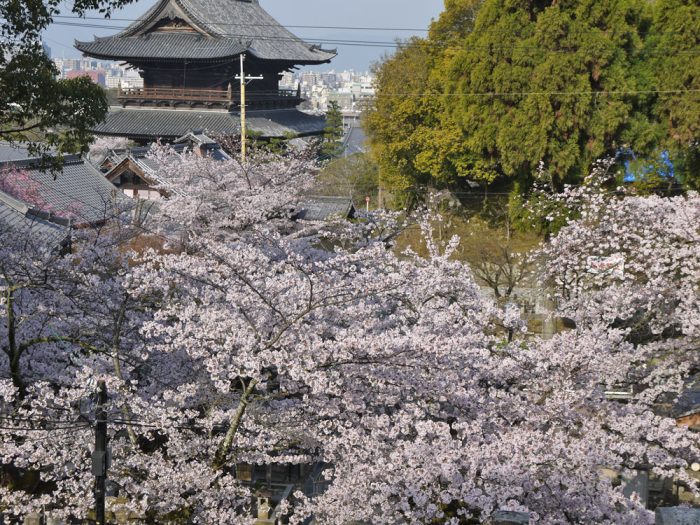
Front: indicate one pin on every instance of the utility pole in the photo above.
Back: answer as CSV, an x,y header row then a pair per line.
x,y
244,80
100,457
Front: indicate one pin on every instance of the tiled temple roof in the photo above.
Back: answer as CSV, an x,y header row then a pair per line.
x,y
163,46
79,191
321,208
152,124
19,218
226,27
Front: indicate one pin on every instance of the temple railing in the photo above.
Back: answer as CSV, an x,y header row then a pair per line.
x,y
209,97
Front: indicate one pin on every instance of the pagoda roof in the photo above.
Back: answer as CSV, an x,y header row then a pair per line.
x,y
152,124
163,46
206,29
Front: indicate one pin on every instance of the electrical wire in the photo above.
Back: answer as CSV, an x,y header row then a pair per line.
x,y
341,28
395,44
232,24
34,420
548,93
144,424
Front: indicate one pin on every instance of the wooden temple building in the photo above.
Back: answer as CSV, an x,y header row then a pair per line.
x,y
188,53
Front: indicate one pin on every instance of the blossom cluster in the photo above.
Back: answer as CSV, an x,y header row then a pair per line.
x,y
244,338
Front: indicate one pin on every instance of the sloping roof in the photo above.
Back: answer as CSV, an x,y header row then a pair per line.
x,y
191,46
12,152
243,22
144,168
18,217
688,403
320,208
207,145
79,191
172,124
147,168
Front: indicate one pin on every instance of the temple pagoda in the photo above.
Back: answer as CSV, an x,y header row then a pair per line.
x,y
188,53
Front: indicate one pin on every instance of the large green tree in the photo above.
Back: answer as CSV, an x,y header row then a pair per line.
x,y
675,47
548,82
414,139
36,107
502,86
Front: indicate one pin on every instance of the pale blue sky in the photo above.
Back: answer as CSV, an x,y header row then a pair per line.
x,y
347,13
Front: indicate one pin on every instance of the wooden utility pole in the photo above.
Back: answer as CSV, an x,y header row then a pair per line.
x,y
244,80
100,457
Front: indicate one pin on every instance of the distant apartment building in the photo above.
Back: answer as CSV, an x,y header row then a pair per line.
x,y
287,80
98,77
128,79
105,73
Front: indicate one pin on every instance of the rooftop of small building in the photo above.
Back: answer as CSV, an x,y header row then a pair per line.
x,y
323,208
688,403
78,191
18,218
10,151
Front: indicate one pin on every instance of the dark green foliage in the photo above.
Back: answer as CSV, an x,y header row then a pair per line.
x,y
35,107
500,86
332,146
415,140
675,46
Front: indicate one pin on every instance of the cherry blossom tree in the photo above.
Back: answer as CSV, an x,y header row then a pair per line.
x,y
18,184
244,338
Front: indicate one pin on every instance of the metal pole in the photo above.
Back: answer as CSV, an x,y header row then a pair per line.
x,y
243,123
99,457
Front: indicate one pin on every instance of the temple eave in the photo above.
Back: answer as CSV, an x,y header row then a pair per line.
x,y
153,124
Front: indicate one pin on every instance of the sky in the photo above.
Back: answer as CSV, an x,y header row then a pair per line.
x,y
388,14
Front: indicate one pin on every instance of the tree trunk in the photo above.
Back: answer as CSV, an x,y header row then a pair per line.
x,y
13,352
222,453
116,340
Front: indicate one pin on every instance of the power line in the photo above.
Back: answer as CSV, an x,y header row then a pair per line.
x,y
46,429
35,420
398,45
349,28
230,24
49,425
548,93
140,423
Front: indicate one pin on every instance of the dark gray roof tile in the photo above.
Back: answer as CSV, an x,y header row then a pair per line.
x,y
159,46
688,402
234,22
153,124
18,218
79,191
12,152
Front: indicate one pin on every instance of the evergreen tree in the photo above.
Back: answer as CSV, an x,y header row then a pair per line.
x,y
414,139
548,82
332,145
676,65
500,86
